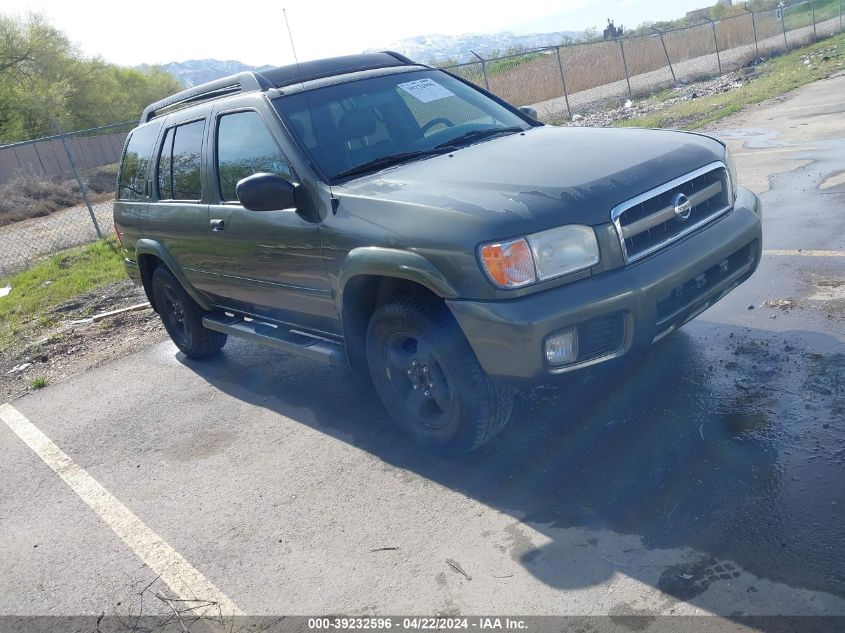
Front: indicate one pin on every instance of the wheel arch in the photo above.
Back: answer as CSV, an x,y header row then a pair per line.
x,y
150,254
368,278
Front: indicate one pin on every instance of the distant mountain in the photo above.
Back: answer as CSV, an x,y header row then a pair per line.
x,y
423,48
197,71
438,48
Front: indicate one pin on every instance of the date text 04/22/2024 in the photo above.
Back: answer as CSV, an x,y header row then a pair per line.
x,y
417,623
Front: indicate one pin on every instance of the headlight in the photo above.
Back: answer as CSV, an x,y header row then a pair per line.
x,y
564,250
540,256
731,165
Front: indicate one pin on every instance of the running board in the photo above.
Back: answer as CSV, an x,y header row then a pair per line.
x,y
310,347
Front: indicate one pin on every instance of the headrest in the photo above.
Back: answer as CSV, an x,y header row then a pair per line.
x,y
357,124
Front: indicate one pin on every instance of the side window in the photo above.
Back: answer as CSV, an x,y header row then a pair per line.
x,y
136,161
245,147
179,162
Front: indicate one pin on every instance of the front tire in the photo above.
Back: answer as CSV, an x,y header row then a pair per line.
x,y
429,378
182,317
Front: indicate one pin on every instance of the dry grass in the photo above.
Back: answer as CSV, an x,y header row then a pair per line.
x,y
535,77
27,196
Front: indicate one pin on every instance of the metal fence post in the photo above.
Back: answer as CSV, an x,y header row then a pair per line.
x,y
17,158
82,188
483,69
40,162
625,65
813,9
716,44
754,31
672,70
563,81
783,28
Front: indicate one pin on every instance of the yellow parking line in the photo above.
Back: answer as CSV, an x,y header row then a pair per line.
x,y
804,253
188,583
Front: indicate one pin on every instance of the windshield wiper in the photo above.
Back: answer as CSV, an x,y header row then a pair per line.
x,y
393,159
477,135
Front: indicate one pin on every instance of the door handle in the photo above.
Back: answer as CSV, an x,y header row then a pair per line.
x,y
217,225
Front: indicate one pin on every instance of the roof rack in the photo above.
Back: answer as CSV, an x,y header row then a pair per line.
x,y
242,82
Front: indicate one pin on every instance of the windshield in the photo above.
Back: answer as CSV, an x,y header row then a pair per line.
x,y
365,125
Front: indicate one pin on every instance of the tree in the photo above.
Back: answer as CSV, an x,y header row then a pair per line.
x,y
46,84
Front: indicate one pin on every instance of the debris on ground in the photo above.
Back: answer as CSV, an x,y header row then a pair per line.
x,y
70,342
5,290
680,93
105,315
457,567
811,60
782,304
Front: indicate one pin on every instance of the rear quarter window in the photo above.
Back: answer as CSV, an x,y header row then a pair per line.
x,y
136,162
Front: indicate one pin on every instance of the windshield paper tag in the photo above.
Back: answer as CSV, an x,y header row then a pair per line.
x,y
426,90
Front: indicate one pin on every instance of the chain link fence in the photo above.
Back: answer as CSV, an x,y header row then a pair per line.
x,y
564,80
56,192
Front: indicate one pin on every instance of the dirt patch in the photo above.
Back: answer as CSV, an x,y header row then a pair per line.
x,y
70,342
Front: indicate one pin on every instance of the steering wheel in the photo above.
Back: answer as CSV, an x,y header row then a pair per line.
x,y
437,121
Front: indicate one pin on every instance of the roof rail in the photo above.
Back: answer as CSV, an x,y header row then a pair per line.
x,y
242,82
402,58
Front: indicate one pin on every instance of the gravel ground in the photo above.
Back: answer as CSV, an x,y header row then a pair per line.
x,y
682,92
23,242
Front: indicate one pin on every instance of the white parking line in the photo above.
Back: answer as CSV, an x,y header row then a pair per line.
x,y
804,253
188,583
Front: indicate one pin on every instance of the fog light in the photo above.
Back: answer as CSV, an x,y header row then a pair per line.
x,y
562,347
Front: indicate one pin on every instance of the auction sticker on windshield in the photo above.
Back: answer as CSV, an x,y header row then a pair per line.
x,y
426,90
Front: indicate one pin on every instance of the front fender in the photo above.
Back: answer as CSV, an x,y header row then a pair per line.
x,y
146,246
392,262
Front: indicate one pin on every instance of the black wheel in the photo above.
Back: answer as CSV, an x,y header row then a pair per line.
x,y
429,379
182,317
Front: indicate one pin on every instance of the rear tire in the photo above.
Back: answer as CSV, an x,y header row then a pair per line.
x,y
429,378
182,317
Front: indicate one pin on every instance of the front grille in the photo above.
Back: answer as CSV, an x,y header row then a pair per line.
x,y
693,291
650,222
601,337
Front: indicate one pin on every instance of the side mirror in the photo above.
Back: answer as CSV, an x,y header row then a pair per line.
x,y
266,192
529,111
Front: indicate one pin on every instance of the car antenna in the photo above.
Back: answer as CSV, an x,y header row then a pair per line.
x,y
334,201
293,48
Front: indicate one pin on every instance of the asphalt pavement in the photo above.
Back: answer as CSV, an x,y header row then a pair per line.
x,y
707,477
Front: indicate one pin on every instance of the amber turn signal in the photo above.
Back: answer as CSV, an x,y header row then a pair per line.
x,y
509,264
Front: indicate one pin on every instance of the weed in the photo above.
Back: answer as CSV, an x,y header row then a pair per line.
x,y
71,273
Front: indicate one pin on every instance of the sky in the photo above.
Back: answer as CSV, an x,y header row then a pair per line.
x,y
253,31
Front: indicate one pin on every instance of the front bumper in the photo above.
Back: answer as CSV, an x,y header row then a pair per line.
x,y
649,298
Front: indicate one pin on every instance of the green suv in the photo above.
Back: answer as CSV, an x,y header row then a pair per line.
x,y
377,212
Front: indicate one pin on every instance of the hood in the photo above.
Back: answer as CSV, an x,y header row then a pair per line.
x,y
545,177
